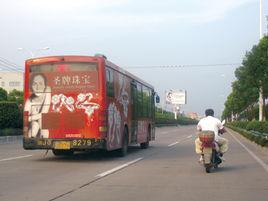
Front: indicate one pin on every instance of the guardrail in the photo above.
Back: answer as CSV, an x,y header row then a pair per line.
x,y
257,133
255,136
10,139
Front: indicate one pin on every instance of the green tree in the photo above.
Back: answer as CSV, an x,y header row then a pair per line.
x,y
232,106
15,96
256,70
252,82
3,94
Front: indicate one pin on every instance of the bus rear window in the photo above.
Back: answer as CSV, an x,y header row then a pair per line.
x,y
63,67
65,77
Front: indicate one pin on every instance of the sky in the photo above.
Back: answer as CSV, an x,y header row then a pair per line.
x,y
145,37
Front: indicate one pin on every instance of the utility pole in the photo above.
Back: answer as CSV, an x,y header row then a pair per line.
x,y
267,25
261,19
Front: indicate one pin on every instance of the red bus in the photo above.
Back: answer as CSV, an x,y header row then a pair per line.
x,y
74,103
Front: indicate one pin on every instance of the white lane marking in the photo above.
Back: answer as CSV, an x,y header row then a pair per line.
x,y
13,158
263,164
118,168
169,131
164,133
173,144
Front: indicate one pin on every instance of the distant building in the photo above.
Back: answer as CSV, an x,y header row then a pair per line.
x,y
192,115
11,80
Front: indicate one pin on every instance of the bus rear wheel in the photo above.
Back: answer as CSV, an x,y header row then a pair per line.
x,y
123,151
62,152
145,145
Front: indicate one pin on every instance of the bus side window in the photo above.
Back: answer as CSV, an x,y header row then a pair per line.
x,y
109,82
139,96
146,101
150,103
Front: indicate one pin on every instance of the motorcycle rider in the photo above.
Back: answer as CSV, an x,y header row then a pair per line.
x,y
210,123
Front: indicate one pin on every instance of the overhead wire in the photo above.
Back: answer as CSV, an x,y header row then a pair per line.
x,y
9,66
185,66
8,62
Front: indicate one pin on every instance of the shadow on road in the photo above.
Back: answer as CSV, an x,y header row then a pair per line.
x,y
226,168
92,155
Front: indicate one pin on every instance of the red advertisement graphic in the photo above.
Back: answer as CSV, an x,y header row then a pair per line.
x,y
61,104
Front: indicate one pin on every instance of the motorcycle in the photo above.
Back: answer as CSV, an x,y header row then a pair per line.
x,y
210,149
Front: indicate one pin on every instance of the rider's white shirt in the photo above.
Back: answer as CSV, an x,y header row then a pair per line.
x,y
210,123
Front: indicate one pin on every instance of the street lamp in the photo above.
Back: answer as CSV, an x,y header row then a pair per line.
x,y
31,52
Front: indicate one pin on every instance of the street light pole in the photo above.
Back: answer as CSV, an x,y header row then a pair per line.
x,y
261,19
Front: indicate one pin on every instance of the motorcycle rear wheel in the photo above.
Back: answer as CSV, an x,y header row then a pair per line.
x,y
208,168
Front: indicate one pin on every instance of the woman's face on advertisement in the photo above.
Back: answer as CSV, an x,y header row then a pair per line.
x,y
38,85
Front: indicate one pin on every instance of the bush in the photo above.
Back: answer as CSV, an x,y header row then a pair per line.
x,y
10,132
179,121
239,124
261,127
259,139
265,127
255,126
167,118
186,121
10,115
3,94
15,96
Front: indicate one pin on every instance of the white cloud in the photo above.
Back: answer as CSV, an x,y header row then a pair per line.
x,y
194,11
74,4
123,13
215,10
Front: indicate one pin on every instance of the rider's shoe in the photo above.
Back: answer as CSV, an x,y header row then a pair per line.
x,y
223,159
201,159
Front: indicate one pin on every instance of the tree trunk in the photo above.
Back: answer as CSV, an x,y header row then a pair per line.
x,y
261,104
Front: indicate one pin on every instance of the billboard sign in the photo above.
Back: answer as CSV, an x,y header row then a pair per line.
x,y
176,97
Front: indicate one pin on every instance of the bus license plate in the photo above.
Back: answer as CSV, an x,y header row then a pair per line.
x,y
62,145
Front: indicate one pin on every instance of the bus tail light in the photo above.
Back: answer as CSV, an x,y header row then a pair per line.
x,y
45,60
103,123
62,67
103,128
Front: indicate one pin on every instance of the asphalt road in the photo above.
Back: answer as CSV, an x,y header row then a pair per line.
x,y
167,171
